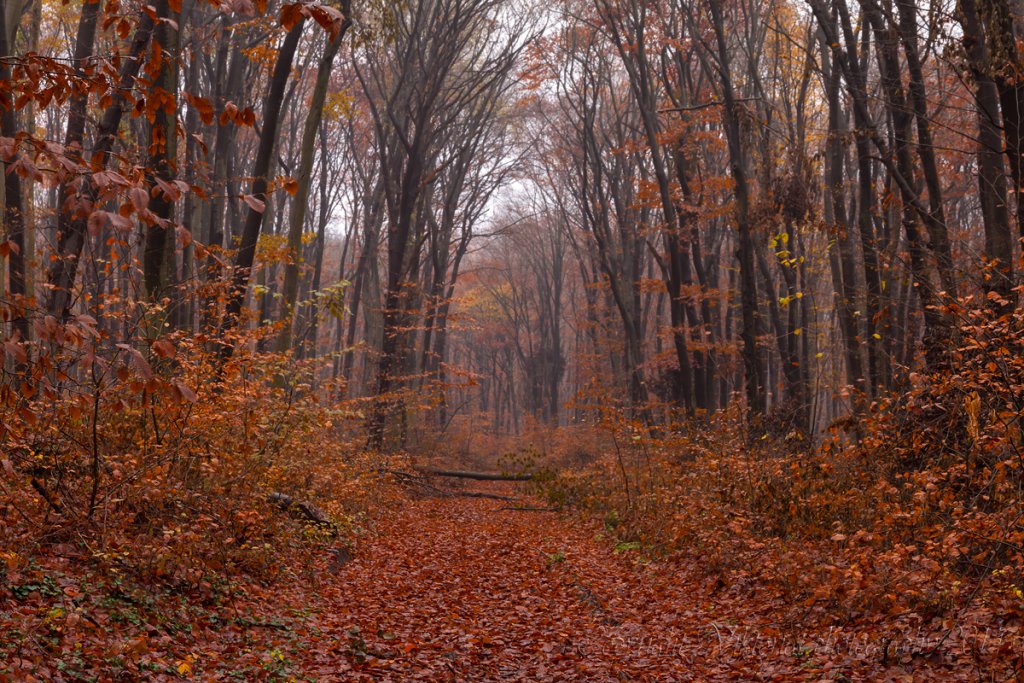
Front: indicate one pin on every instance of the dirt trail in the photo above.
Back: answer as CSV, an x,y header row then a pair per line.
x,y
460,589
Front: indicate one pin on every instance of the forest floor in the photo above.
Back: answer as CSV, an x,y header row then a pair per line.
x,y
457,589
453,588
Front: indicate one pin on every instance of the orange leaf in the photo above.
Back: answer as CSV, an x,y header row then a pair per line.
x,y
291,14
162,348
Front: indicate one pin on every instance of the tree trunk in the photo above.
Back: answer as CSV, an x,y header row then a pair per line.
x,y
1004,33
754,379
71,218
13,202
937,228
297,218
898,161
998,281
318,257
841,253
71,225
160,235
254,218
228,86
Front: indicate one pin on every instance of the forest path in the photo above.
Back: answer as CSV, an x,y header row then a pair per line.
x,y
460,589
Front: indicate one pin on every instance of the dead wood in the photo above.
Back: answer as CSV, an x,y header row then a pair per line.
x,y
477,476
305,510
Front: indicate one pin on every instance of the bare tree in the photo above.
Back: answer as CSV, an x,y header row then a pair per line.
x,y
445,55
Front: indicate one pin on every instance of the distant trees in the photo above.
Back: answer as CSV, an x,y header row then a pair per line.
x,y
469,206
754,130
433,91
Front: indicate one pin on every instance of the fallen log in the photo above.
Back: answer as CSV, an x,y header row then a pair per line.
x,y
477,476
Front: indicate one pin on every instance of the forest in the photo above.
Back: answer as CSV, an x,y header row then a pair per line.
x,y
488,340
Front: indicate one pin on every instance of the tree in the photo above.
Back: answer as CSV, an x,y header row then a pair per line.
x,y
296,221
445,55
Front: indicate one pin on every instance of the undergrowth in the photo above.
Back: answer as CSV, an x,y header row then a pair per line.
x,y
921,519
137,508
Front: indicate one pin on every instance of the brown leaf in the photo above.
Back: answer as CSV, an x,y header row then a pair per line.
x,y
257,205
162,348
186,392
291,14
139,198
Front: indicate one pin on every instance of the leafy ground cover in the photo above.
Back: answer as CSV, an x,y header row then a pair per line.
x,y
450,588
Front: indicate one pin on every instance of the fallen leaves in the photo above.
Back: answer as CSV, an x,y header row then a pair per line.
x,y
456,589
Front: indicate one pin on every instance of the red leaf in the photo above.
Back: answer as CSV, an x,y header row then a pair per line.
x,y
16,350
202,107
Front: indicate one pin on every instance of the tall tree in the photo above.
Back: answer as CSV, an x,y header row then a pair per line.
x,y
14,202
163,139
257,197
755,384
297,218
445,55
999,280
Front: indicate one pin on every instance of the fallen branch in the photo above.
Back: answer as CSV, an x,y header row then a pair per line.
x,y
528,508
478,476
47,496
419,480
250,623
477,494
307,511
399,474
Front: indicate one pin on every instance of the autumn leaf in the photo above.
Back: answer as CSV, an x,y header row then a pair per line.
x,y
185,392
15,350
246,117
162,348
138,360
100,219
202,106
139,198
257,205
291,14
229,113
329,18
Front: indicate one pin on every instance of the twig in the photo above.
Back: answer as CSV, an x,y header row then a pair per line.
x,y
262,624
